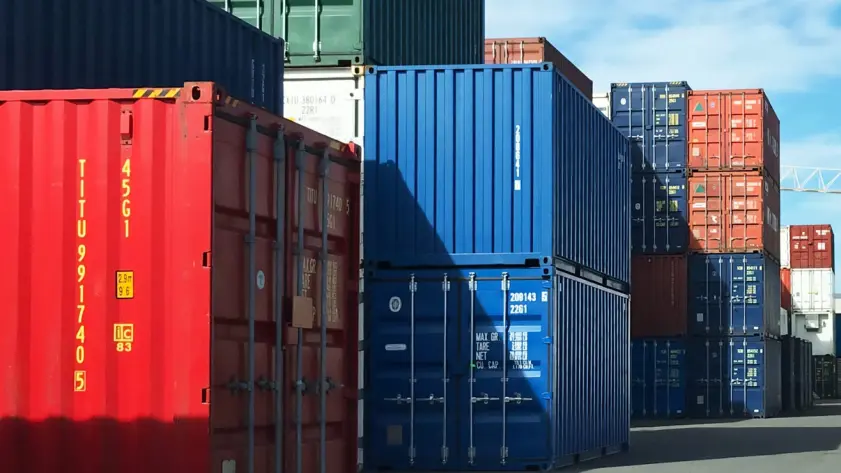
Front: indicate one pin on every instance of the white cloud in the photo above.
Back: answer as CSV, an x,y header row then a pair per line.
x,y
777,45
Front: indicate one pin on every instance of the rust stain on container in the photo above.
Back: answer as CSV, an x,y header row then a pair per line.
x,y
733,130
126,345
812,247
658,295
536,50
734,212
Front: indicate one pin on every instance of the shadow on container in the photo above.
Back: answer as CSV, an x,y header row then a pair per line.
x,y
489,367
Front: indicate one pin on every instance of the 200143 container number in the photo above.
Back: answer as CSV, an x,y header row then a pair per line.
x,y
520,302
80,383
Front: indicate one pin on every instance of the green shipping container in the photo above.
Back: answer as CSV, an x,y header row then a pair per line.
x,y
370,32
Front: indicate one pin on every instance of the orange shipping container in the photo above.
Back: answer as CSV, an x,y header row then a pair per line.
x,y
535,50
155,243
785,288
733,130
659,296
735,212
812,247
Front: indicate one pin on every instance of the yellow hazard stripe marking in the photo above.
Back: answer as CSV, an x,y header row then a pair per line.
x,y
156,93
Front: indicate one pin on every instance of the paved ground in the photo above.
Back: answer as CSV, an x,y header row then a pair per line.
x,y
809,443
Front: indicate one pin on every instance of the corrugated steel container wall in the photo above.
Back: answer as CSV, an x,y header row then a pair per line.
x,y
733,130
162,273
734,294
734,212
788,372
659,295
807,360
838,335
533,51
653,116
812,247
824,376
329,100
602,102
658,213
785,246
734,377
813,290
785,328
443,327
101,44
785,289
799,374
503,160
658,377
354,32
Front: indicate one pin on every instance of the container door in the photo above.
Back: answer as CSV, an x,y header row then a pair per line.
x,y
747,378
505,346
412,349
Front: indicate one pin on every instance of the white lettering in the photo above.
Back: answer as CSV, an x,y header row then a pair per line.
x,y
517,146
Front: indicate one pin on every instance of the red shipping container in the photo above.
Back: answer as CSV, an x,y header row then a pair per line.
x,y
734,212
785,288
733,130
812,246
152,346
658,296
536,50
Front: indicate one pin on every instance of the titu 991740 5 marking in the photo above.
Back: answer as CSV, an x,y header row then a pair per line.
x,y
80,375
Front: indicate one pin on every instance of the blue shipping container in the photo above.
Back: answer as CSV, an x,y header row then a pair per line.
x,y
659,213
512,161
734,294
658,377
653,116
512,369
734,377
100,44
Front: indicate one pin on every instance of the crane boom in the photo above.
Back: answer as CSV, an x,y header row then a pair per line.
x,y
810,179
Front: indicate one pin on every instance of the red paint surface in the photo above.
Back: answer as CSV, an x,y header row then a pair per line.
x,y
733,130
536,50
785,288
812,247
658,296
734,212
148,409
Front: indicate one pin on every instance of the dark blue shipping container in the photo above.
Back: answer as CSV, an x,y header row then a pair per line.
x,y
789,372
492,369
658,213
100,44
800,380
734,377
808,382
734,294
466,162
653,115
658,377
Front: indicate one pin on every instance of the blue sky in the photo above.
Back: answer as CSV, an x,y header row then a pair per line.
x,y
790,48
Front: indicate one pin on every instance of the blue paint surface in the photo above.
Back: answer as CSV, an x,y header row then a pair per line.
x,y
658,378
658,213
734,377
99,44
734,294
560,342
653,115
496,164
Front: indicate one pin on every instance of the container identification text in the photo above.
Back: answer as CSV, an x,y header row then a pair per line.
x,y
125,203
80,375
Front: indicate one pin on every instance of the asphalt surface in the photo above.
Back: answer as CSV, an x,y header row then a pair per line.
x,y
807,443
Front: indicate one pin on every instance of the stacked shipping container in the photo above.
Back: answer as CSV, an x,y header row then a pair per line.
x,y
653,117
812,285
490,266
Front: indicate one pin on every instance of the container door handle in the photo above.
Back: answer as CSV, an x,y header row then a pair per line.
x,y
483,398
517,398
399,399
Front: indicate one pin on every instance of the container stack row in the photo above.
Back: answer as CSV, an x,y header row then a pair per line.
x,y
705,231
493,272
246,271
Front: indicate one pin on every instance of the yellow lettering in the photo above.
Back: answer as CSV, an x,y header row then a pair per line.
x,y
125,204
81,309
126,187
127,168
81,228
80,354
126,224
80,334
126,209
80,270
81,293
81,189
82,207
80,381
81,250
82,168
124,346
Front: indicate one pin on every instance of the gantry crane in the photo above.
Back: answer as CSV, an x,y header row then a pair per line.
x,y
810,179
